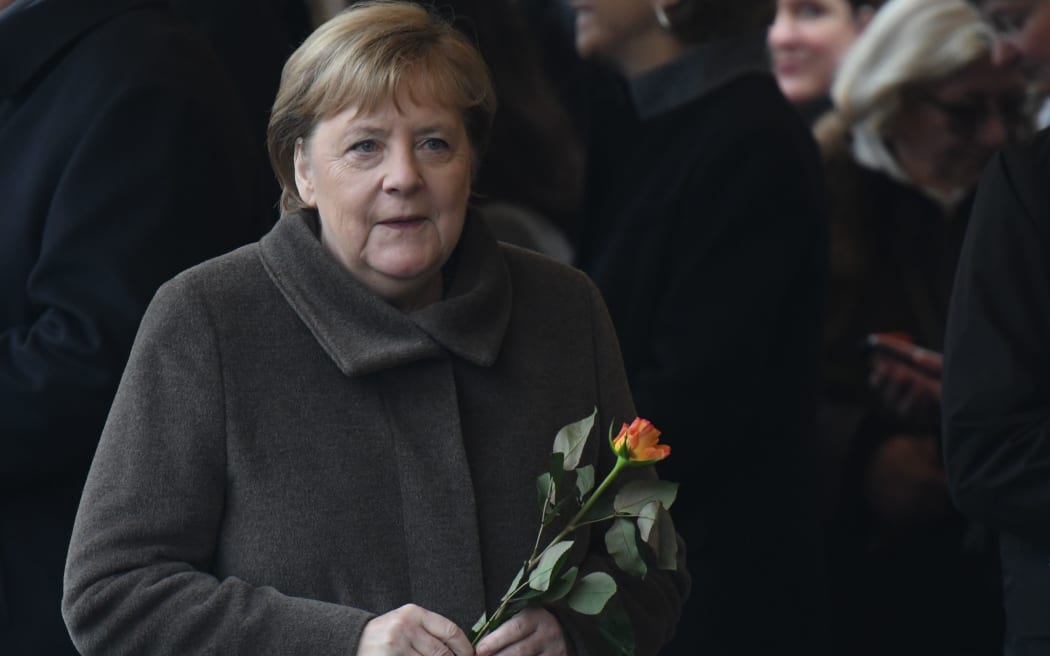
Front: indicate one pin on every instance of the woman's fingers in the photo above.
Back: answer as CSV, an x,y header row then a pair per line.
x,y
532,632
447,633
413,631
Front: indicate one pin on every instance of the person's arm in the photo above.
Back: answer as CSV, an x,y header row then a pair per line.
x,y
152,187
739,310
997,358
137,576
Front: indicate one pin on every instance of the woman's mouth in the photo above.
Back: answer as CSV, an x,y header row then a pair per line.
x,y
403,222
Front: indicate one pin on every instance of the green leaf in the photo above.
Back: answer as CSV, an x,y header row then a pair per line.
x,y
557,466
551,561
545,492
646,519
602,509
584,480
477,625
615,626
622,545
571,439
561,587
591,593
657,530
515,582
667,553
635,495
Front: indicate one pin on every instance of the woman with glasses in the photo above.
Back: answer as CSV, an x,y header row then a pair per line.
x,y
920,107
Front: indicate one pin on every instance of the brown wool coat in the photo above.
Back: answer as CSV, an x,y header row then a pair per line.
x,y
289,456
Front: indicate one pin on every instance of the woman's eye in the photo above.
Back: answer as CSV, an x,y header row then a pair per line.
x,y
809,10
1009,22
366,146
435,144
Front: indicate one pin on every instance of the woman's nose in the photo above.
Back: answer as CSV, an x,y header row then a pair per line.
x,y
402,173
781,32
1005,51
993,131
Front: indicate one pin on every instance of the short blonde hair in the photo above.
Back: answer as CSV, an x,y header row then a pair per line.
x,y
364,57
907,43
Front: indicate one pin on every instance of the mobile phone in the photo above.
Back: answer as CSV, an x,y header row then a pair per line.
x,y
900,349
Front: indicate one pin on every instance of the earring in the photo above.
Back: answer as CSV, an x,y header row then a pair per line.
x,y
661,18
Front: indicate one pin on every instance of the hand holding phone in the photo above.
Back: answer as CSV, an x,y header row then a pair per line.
x,y
908,377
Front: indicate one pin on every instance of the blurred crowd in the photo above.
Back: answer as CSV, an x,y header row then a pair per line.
x,y
772,197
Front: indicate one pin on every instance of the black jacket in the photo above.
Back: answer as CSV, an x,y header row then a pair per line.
x,y
997,381
705,234
123,161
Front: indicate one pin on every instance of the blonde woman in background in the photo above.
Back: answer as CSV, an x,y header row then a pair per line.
x,y
920,107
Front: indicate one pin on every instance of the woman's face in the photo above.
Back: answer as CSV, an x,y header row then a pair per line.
x,y
391,188
616,30
807,40
946,131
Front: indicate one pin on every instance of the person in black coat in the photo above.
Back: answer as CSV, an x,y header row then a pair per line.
x,y
705,234
996,418
905,147
123,160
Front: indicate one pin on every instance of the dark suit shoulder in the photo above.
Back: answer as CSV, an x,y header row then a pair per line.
x,y
145,46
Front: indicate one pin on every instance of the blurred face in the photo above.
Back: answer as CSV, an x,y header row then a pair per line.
x,y
946,131
391,188
807,40
622,31
1023,27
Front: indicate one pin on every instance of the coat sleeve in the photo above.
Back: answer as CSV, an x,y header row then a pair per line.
x,y
138,571
736,327
997,358
652,603
152,186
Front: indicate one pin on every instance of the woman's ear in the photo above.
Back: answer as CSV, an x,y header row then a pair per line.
x,y
304,180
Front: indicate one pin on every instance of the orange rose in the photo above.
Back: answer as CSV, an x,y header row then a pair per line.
x,y
639,443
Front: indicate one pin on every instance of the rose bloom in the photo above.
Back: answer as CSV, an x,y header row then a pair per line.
x,y
639,443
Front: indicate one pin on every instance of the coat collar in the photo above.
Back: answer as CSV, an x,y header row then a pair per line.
x,y
697,73
364,334
33,36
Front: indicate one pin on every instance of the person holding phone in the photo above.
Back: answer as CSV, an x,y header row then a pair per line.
x,y
903,151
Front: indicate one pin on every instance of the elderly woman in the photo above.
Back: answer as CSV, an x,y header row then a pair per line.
x,y
920,108
326,442
705,234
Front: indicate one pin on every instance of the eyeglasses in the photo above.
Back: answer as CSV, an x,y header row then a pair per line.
x,y
1009,19
966,117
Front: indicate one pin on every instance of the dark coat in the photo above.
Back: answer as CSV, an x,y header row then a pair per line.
x,y
997,382
931,585
122,163
289,456
705,235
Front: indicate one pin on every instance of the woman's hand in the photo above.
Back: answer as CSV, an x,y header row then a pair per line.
x,y
532,632
904,482
905,389
413,631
